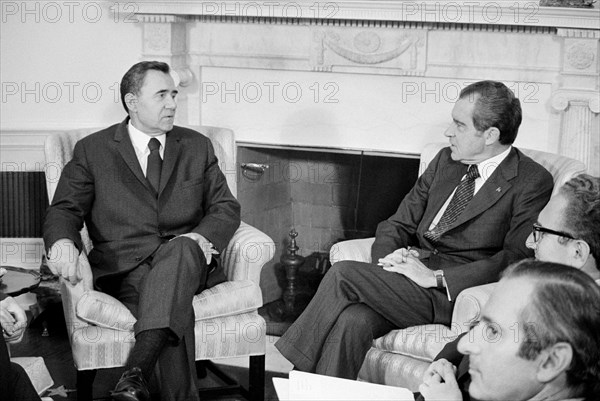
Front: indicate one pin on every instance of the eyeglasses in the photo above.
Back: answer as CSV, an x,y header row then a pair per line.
x,y
538,230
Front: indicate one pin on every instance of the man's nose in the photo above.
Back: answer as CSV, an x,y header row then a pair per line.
x,y
468,344
465,344
530,242
449,132
171,103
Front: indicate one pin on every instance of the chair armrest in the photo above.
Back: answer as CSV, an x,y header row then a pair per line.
x,y
355,249
468,306
70,294
247,253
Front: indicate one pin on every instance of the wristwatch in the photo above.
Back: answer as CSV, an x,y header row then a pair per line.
x,y
439,277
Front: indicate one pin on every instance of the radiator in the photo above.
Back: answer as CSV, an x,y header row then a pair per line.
x,y
24,201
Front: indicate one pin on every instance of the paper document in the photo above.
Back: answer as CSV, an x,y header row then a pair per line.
x,y
303,386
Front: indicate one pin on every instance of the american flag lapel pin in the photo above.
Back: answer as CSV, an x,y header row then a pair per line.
x,y
498,189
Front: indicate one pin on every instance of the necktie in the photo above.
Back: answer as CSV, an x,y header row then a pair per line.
x,y
154,164
460,200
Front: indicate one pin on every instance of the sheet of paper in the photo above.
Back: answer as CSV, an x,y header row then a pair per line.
x,y
282,388
311,387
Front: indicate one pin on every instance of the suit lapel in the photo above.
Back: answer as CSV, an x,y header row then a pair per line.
x,y
492,190
125,148
172,150
451,176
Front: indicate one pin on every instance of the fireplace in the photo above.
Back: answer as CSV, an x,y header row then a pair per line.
x,y
327,195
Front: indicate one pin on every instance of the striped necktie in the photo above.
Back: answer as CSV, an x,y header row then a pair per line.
x,y
462,196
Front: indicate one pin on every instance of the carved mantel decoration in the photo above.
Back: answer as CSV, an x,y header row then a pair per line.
x,y
392,39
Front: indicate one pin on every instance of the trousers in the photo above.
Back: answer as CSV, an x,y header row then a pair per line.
x,y
355,303
159,293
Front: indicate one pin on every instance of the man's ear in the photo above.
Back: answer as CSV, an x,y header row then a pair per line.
x,y
131,101
492,135
555,360
581,252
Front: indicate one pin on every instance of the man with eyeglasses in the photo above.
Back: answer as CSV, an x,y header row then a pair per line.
x,y
567,231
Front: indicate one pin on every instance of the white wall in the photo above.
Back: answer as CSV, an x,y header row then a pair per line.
x,y
61,63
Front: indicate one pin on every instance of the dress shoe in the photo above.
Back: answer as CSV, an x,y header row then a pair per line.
x,y
131,387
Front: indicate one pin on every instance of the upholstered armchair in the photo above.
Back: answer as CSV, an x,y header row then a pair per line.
x,y
401,357
227,323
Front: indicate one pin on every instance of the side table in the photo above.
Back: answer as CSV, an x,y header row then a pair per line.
x,y
18,281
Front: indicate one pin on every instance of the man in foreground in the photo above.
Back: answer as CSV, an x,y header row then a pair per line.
x,y
537,339
464,221
158,211
567,231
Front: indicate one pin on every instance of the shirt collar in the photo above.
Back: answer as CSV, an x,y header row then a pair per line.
x,y
140,140
487,167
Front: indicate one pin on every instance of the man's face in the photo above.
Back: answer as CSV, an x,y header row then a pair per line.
x,y
153,111
467,144
550,247
497,372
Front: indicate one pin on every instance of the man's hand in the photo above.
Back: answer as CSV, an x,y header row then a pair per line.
x,y
207,247
406,262
63,260
13,319
400,255
439,382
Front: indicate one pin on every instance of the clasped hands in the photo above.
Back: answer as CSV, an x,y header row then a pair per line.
x,y
406,262
63,256
13,320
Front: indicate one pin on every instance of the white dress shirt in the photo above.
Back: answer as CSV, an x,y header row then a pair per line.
x,y
139,140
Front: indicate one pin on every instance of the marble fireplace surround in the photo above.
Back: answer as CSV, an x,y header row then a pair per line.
x,y
377,76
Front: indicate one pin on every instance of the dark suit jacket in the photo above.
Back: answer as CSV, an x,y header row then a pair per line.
x,y
490,233
105,186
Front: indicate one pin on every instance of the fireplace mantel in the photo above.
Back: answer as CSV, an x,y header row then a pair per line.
x,y
521,13
378,76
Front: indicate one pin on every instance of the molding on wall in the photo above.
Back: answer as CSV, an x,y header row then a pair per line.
x,y
524,13
22,150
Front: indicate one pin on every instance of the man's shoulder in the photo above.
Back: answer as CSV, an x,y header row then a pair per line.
x,y
100,136
188,134
529,167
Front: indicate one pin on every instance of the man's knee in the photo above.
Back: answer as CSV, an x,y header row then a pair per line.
x,y
346,270
184,254
185,247
358,318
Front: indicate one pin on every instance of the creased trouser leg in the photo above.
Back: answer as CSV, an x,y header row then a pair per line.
x,y
396,298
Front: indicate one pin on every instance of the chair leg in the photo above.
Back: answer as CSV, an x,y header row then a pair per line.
x,y
85,384
257,378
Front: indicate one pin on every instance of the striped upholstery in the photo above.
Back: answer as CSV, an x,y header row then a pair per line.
x,y
227,319
401,357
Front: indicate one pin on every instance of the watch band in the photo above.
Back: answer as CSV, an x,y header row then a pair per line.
x,y
439,277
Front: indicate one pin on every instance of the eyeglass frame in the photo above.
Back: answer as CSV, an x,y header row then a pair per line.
x,y
541,229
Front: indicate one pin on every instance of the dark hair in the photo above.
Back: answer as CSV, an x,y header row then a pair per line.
x,y
495,106
133,80
582,214
564,307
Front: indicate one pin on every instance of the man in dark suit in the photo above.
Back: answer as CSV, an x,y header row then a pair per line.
x,y
158,211
464,221
567,231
